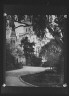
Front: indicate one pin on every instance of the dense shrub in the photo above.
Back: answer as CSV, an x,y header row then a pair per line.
x,y
11,63
50,51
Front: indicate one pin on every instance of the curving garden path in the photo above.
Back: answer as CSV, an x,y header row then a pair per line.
x,y
12,78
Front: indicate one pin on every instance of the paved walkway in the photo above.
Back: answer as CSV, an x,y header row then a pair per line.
x,y
13,77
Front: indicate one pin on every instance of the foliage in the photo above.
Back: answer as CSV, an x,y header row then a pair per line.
x,y
39,24
56,27
11,63
28,47
53,54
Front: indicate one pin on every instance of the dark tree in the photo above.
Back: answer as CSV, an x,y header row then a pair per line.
x,y
28,48
35,61
10,60
39,24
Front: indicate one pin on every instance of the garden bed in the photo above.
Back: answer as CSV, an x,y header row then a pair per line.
x,y
43,79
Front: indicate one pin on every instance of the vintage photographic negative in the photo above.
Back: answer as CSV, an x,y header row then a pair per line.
x,y
35,50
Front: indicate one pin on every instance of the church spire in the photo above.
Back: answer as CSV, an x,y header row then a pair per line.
x,y
13,34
